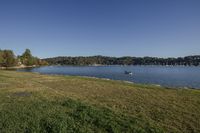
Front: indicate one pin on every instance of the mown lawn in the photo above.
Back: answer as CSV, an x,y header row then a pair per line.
x,y
31,102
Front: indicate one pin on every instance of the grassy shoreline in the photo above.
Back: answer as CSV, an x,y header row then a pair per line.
x,y
46,103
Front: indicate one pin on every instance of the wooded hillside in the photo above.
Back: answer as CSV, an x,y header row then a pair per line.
x,y
103,60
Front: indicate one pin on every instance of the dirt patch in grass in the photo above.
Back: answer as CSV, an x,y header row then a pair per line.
x,y
22,94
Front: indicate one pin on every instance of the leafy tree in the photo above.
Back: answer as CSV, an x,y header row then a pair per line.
x,y
1,57
27,54
8,58
27,58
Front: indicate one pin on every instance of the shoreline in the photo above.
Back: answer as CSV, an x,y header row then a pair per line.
x,y
17,67
130,82
101,65
122,81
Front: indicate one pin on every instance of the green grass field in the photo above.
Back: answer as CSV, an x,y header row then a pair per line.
x,y
31,102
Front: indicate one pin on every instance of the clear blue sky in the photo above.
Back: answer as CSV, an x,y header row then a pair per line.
x,y
163,28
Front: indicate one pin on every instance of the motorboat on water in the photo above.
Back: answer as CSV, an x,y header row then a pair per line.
x,y
128,72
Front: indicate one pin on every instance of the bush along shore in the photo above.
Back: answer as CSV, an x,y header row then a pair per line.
x,y
8,60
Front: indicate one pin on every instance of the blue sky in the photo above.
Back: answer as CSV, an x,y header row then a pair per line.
x,y
163,28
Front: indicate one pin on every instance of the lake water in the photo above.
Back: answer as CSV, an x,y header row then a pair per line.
x,y
171,76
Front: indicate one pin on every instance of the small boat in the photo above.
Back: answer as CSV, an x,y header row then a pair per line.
x,y
128,72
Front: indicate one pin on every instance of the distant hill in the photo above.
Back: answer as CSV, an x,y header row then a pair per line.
x,y
105,60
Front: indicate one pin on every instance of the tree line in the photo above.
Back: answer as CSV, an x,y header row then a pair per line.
x,y
104,60
8,59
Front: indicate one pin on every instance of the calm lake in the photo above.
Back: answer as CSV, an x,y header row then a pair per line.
x,y
170,76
